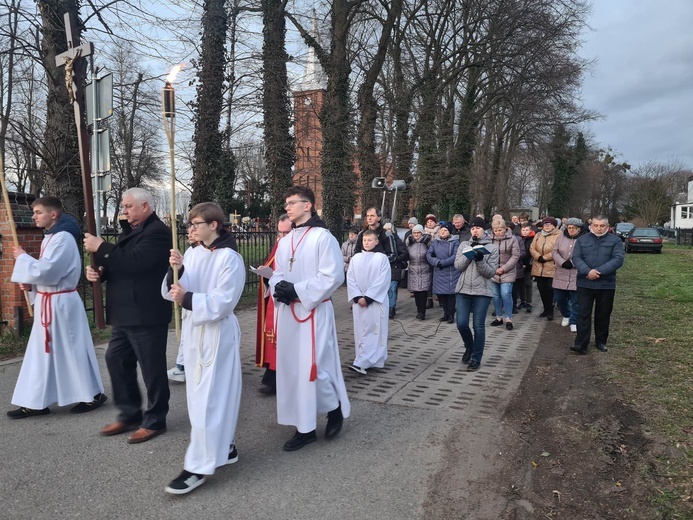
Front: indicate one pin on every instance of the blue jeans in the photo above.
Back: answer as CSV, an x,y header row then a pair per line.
x,y
478,305
392,293
503,299
567,304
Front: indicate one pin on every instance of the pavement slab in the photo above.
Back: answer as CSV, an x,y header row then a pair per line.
x,y
380,466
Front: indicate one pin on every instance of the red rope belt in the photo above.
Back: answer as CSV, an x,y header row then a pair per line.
x,y
311,317
47,313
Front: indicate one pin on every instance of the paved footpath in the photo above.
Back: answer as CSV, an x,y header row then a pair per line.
x,y
381,466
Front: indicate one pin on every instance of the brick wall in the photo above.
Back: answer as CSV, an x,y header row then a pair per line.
x,y
14,314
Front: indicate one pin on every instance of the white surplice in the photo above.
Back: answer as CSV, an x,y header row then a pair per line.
x,y
369,275
318,270
210,339
68,373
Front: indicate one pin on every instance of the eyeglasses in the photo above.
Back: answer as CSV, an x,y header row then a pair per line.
x,y
195,225
292,202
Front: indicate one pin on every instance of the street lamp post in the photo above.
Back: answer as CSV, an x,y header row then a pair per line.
x,y
380,183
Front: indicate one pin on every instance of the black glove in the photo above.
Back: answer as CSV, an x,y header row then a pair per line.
x,y
440,265
479,257
567,264
541,260
284,292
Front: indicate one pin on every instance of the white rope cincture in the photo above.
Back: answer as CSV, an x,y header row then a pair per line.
x,y
203,364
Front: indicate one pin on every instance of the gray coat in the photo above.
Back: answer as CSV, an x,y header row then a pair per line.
x,y
420,272
475,277
564,278
509,256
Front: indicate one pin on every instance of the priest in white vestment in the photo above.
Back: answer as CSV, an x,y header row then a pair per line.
x,y
368,282
308,269
59,364
212,277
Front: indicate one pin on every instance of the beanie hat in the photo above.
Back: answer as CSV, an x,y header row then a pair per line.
x,y
573,222
477,222
413,220
432,217
549,220
418,228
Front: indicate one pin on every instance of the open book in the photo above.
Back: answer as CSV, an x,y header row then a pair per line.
x,y
470,252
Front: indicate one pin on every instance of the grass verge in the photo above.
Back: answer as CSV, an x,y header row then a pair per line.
x,y
652,332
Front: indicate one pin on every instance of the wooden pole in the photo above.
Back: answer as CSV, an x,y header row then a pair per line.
x,y
10,219
168,112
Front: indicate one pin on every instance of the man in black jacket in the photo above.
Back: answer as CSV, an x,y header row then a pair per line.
x,y
398,261
373,217
134,269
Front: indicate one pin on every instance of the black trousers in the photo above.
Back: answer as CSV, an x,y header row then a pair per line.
x,y
448,301
545,286
420,298
146,346
602,301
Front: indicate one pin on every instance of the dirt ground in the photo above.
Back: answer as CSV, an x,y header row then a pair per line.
x,y
568,448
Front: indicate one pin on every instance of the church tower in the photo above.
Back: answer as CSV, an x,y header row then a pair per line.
x,y
308,102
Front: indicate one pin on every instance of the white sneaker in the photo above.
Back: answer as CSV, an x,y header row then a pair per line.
x,y
175,374
573,328
358,369
565,322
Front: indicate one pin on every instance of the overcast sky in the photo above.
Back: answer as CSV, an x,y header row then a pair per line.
x,y
642,80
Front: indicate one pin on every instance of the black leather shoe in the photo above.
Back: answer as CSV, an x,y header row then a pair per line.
x,y
299,440
268,390
601,347
420,316
392,313
473,366
334,422
444,318
579,350
451,319
496,323
466,356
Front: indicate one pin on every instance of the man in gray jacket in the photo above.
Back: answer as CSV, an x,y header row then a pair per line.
x,y
597,256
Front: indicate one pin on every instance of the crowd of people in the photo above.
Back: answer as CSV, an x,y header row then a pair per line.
x,y
464,265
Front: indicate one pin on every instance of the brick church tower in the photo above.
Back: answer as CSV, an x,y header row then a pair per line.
x,y
308,102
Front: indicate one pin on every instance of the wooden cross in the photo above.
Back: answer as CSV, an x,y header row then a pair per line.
x,y
75,63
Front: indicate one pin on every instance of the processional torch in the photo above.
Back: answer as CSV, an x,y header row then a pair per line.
x,y
168,111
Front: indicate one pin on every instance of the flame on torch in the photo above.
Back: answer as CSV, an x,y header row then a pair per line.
x,y
174,72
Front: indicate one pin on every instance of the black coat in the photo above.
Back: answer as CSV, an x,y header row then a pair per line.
x,y
399,259
133,270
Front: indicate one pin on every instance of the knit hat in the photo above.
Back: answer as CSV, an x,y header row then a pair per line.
x,y
413,220
418,228
549,220
432,217
573,222
477,222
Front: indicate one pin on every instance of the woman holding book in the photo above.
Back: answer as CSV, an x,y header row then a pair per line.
x,y
477,261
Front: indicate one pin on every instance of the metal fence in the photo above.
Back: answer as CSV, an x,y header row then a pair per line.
x,y
684,237
253,246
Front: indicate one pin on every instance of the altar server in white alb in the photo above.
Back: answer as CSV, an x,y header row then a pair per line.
x,y
368,282
211,280
308,269
59,365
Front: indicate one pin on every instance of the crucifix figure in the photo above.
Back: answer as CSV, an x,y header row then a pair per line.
x,y
75,63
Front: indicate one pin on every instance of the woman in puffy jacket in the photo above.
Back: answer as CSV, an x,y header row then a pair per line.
x,y
565,277
509,251
420,272
441,256
543,266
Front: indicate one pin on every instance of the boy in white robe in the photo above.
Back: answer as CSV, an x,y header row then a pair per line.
x,y
308,269
59,364
368,281
212,277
